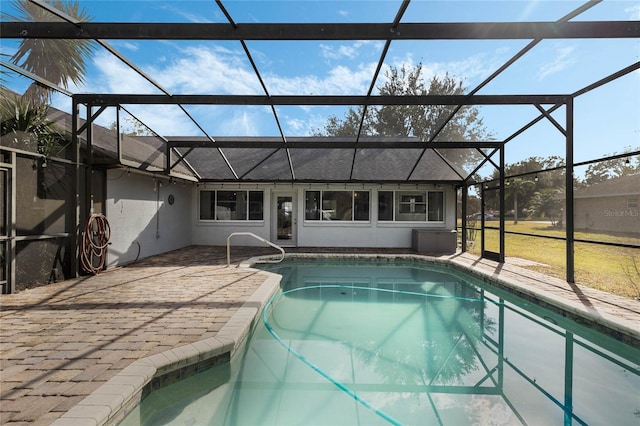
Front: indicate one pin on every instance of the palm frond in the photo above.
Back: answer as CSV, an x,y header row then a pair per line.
x,y
58,61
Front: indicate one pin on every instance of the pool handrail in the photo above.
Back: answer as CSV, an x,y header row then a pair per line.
x,y
251,234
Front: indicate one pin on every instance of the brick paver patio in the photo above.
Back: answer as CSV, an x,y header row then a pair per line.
x,y
60,342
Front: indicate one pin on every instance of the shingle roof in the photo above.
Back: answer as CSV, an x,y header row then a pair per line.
x,y
322,164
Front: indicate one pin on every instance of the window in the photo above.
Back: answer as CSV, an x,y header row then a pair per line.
x,y
256,205
435,202
632,202
231,205
385,205
312,205
361,205
411,206
337,205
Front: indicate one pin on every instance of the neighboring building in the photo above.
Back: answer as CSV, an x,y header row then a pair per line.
x,y
609,206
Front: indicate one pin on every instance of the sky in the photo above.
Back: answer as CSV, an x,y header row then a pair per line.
x,y
607,120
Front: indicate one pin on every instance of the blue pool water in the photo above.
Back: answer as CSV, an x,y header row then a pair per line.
x,y
365,344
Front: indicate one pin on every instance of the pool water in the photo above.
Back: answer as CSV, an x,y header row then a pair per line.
x,y
364,344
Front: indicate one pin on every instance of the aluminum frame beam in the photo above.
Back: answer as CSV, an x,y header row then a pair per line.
x,y
270,143
297,100
321,31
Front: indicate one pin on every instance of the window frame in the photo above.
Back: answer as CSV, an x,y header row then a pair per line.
x,y
319,211
414,206
213,207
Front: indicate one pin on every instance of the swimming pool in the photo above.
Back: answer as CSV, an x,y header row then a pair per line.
x,y
388,343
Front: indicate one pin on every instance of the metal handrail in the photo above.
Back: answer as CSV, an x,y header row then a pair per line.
x,y
250,234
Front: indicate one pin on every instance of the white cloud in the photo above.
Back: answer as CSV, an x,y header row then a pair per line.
x,y
349,51
475,68
634,12
216,69
208,70
296,125
114,76
125,45
242,123
165,119
472,69
340,80
189,17
563,58
328,52
306,123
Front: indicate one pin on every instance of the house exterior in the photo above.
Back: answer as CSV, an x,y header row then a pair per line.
x,y
309,197
609,206
150,215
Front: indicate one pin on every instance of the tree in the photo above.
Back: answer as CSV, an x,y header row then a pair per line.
x,y
542,172
515,187
421,121
58,61
535,166
131,127
28,127
607,169
548,202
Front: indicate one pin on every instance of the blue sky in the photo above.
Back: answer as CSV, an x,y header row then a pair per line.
x,y
607,119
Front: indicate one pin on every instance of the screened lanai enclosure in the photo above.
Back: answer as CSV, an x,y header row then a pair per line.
x,y
344,122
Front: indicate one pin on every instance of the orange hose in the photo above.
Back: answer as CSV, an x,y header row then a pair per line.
x,y
95,239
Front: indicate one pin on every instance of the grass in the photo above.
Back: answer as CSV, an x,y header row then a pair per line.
x,y
607,268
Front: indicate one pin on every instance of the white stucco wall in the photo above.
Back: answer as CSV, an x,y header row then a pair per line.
x,y
320,234
143,218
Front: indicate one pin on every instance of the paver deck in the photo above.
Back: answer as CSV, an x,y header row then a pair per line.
x,y
61,342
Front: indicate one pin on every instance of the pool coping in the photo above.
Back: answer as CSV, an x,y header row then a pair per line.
x,y
114,400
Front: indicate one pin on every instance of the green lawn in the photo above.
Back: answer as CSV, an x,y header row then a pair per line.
x,y
606,268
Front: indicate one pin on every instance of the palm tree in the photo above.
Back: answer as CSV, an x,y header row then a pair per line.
x,y
24,124
549,202
517,187
57,60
